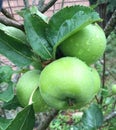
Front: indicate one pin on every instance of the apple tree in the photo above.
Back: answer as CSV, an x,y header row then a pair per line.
x,y
56,68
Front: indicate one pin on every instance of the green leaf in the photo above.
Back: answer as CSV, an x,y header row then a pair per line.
x,y
12,104
14,50
24,120
79,127
2,25
5,73
8,94
4,123
35,30
34,10
68,21
92,118
14,32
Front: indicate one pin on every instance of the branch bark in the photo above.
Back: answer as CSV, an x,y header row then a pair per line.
x,y
10,22
111,24
108,29
44,123
26,3
6,13
110,116
45,8
41,4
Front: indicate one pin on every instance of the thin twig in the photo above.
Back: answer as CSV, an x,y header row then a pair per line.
x,y
26,3
10,22
62,4
6,13
104,70
10,7
3,112
114,106
97,99
41,4
45,8
111,24
45,123
102,11
108,29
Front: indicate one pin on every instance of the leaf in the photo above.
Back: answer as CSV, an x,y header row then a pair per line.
x,y
35,30
12,104
14,32
14,50
79,127
24,120
92,118
34,10
2,25
4,123
62,25
5,73
8,94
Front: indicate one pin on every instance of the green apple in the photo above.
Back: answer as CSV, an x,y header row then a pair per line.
x,y
114,88
67,83
27,91
87,44
97,80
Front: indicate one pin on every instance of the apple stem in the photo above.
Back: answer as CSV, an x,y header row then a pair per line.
x,y
45,63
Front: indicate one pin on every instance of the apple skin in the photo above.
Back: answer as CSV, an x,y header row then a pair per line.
x,y
87,44
114,88
26,85
39,104
67,83
97,80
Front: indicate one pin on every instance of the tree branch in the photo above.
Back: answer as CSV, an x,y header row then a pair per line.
x,y
8,19
110,116
26,3
41,4
10,22
62,5
6,13
111,24
44,123
10,7
45,8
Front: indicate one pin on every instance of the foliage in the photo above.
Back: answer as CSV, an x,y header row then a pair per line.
x,y
111,4
26,118
35,30
14,47
5,73
88,121
38,46
5,82
38,38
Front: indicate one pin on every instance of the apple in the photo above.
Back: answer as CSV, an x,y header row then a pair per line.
x,y
67,83
87,44
27,89
97,80
114,88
